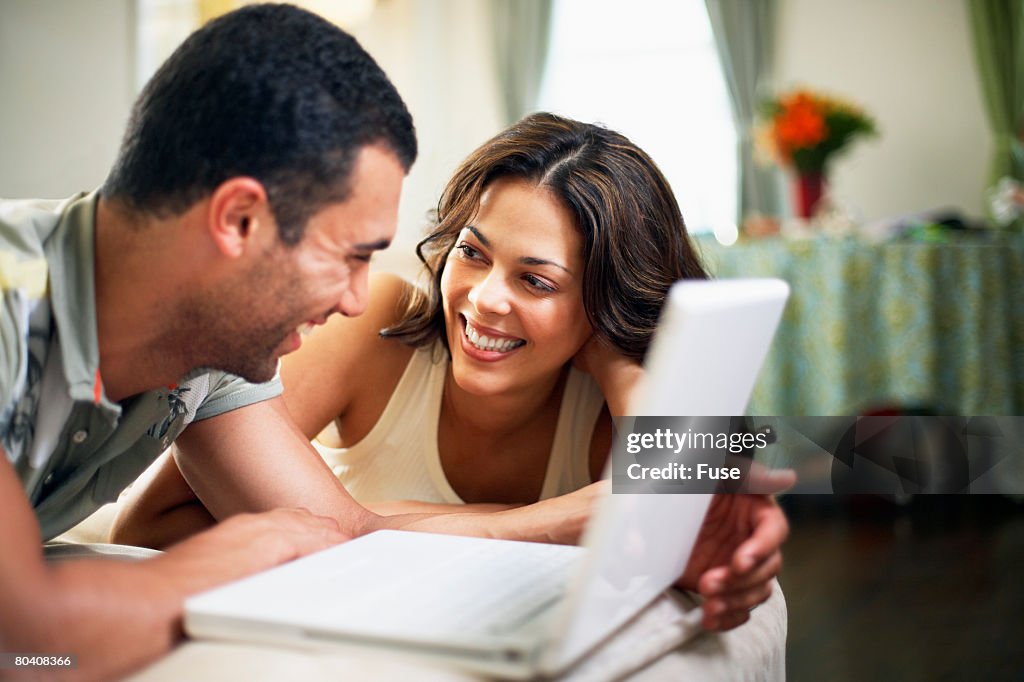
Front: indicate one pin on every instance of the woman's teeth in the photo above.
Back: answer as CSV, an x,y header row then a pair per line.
x,y
482,342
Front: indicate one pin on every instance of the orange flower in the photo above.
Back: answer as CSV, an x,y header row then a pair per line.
x,y
800,123
804,129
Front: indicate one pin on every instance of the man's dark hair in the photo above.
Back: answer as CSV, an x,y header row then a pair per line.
x,y
270,92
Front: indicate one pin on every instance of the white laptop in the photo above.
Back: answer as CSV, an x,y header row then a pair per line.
x,y
518,609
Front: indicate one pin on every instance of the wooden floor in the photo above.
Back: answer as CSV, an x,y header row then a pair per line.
x,y
931,590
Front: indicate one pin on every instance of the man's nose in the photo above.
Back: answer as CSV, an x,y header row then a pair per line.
x,y
353,301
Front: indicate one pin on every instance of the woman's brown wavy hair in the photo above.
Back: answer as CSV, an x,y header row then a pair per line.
x,y
635,243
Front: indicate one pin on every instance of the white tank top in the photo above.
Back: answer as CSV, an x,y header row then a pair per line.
x,y
399,460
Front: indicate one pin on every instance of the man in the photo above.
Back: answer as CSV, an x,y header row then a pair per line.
x,y
261,169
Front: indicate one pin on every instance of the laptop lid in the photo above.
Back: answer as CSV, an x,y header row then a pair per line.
x,y
711,341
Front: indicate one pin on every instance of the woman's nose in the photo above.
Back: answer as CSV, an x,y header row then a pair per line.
x,y
490,295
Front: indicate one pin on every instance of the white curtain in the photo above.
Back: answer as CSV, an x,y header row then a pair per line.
x,y
744,35
521,34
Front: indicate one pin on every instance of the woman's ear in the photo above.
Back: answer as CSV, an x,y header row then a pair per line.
x,y
239,214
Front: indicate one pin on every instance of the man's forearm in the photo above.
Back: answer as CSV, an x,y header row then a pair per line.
x,y
114,616
111,616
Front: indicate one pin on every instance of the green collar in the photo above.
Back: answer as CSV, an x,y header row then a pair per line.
x,y
72,256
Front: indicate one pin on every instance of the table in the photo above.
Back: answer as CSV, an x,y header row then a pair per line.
x,y
939,325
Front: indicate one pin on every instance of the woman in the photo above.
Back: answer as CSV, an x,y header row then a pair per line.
x,y
555,245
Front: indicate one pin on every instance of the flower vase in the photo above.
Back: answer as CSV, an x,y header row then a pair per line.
x,y
809,188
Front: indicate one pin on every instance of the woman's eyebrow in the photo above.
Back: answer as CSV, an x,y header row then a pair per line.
x,y
479,235
531,260
525,260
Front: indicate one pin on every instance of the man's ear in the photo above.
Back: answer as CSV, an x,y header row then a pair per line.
x,y
239,212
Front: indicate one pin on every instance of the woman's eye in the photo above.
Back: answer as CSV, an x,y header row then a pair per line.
x,y
538,283
468,251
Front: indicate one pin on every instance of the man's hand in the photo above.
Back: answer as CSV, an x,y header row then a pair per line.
x,y
255,542
116,615
738,551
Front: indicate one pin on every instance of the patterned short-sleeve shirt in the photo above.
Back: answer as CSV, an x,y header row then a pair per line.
x,y
73,449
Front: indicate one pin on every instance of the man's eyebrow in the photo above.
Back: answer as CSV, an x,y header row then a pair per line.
x,y
479,235
378,245
530,260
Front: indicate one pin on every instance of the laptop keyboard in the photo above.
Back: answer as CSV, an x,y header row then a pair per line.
x,y
513,588
486,587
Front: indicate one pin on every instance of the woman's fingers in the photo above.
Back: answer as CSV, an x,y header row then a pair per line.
x,y
728,611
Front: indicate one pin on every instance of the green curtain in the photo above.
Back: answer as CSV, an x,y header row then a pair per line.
x,y
745,36
521,35
998,27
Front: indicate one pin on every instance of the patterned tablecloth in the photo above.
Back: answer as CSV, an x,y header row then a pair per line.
x,y
936,325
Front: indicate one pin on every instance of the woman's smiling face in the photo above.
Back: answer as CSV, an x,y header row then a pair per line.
x,y
512,291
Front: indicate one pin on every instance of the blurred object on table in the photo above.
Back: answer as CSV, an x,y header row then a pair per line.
x,y
757,225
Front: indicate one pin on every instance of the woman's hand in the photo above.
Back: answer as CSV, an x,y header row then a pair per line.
x,y
738,551
616,375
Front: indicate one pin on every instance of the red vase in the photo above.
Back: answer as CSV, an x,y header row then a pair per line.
x,y
808,190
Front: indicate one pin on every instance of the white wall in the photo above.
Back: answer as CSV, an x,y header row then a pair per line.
x,y
66,71
440,57
910,64
66,79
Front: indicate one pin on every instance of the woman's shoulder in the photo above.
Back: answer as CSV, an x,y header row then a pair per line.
x,y
346,363
372,353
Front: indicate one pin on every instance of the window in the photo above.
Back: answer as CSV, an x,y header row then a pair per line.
x,y
161,25
649,69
